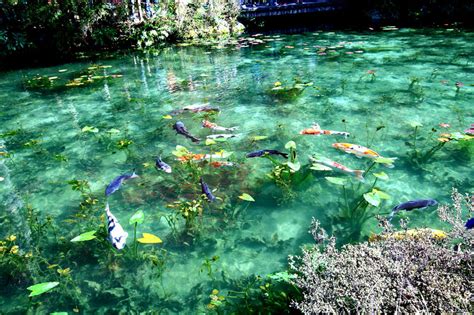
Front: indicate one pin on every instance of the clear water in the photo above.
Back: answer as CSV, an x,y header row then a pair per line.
x,y
415,76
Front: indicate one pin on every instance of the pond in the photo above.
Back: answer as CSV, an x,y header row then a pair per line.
x,y
66,132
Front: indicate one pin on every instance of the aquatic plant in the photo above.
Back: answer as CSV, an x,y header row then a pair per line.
x,y
405,275
288,93
190,211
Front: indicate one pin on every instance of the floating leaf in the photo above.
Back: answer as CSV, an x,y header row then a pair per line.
x,y
384,160
294,166
149,239
180,151
372,198
41,288
246,197
87,236
290,144
336,180
257,138
90,129
381,194
167,117
210,142
58,313
381,175
137,218
320,167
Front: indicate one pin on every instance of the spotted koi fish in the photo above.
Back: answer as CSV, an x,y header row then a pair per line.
x,y
117,235
361,151
317,131
217,164
213,126
325,161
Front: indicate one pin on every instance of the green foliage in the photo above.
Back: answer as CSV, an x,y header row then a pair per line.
x,y
288,93
87,236
41,288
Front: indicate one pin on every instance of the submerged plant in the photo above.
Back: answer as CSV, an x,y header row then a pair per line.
x,y
190,211
288,93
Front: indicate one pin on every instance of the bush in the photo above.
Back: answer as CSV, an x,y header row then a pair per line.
x,y
418,273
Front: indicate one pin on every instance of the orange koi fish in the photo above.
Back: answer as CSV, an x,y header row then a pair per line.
x,y
361,151
213,126
217,164
317,131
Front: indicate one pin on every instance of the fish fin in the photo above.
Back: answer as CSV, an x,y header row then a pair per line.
x,y
358,174
390,217
316,126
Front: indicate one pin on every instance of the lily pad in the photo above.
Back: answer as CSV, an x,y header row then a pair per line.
x,y
294,166
167,117
149,239
180,151
246,197
381,175
381,194
137,218
87,236
210,142
384,160
258,138
336,180
415,124
372,199
90,129
41,288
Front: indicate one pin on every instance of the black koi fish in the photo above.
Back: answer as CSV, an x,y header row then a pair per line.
x,y
181,129
207,191
413,204
263,152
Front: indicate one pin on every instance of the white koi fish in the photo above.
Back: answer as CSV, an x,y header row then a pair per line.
x,y
223,136
321,160
117,235
213,126
317,131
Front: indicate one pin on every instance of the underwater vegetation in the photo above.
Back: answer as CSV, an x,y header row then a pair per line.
x,y
206,226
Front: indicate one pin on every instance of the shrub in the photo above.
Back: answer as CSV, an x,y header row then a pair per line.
x,y
418,273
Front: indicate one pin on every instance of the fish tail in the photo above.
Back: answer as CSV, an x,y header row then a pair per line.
x,y
233,128
390,217
390,165
358,174
285,155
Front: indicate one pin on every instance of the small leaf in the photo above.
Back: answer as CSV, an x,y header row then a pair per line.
x,y
138,218
258,138
87,236
415,124
90,129
149,239
210,142
113,130
180,151
320,167
294,166
372,199
41,288
381,175
246,197
384,160
290,144
381,194
167,117
336,180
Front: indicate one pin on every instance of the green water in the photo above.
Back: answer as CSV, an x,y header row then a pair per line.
x,y
42,131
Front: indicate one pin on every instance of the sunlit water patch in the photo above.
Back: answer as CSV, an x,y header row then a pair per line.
x,y
69,132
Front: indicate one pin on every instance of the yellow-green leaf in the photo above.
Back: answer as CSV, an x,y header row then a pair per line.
x,y
246,197
149,239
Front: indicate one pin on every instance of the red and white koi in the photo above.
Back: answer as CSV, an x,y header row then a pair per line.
x,y
218,164
321,160
361,151
317,131
213,126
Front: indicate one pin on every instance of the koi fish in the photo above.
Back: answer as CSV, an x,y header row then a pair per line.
x,y
117,182
411,233
469,224
317,131
325,161
181,129
217,164
117,235
264,152
196,108
206,191
213,126
223,136
160,165
361,151
413,204
470,131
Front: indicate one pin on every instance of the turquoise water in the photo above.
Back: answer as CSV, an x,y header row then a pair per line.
x,y
376,86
